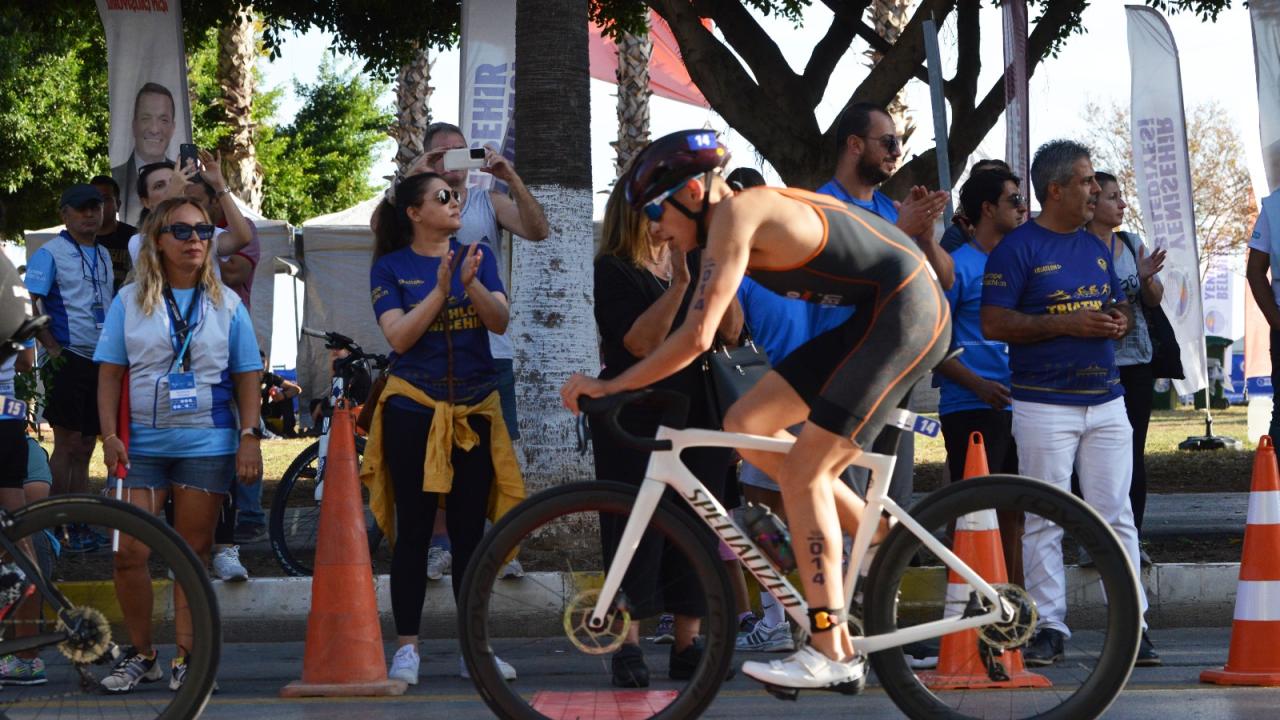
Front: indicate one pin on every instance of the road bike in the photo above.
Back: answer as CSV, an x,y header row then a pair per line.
x,y
560,627
295,508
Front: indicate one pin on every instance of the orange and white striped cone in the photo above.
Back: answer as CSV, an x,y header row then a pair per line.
x,y
1254,657
976,542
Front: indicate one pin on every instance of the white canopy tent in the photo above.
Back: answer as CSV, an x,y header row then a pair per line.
x,y
276,239
337,250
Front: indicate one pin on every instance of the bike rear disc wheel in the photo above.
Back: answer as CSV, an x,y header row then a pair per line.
x,y
909,585
86,581
537,623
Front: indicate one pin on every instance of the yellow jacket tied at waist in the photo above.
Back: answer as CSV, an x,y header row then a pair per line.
x,y
449,427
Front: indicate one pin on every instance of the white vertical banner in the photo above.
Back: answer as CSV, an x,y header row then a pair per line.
x,y
1163,170
1219,284
488,83
147,80
1017,141
1265,18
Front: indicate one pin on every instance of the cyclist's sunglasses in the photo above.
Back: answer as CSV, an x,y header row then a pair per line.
x,y
654,210
444,195
183,231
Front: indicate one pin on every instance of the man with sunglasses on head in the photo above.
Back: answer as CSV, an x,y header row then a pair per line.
x,y
72,279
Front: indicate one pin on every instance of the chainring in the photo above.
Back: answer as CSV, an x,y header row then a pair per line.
x,y
90,641
1018,630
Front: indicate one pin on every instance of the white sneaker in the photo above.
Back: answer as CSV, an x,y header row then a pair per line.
x,y
439,562
226,565
504,667
404,666
809,669
766,639
512,570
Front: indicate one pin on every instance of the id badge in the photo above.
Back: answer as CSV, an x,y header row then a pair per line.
x,y
99,315
182,392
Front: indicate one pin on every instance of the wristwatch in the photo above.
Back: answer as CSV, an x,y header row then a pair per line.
x,y
254,431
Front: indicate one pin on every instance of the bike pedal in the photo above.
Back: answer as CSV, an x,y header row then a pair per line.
x,y
782,693
854,687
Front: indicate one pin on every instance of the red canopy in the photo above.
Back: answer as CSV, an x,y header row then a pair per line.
x,y
667,74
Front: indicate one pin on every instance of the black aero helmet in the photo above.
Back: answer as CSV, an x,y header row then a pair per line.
x,y
668,161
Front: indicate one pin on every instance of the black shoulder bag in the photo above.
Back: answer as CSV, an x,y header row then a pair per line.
x,y
1166,355
732,372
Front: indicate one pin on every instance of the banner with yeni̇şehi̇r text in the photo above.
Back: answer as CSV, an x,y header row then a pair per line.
x,y
1017,142
147,79
487,96
1162,167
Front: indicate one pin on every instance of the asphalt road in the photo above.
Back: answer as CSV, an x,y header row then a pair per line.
x,y
253,673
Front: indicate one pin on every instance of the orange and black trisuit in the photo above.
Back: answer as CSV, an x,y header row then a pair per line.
x,y
853,375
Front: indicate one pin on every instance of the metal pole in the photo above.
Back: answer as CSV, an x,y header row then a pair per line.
x,y
934,60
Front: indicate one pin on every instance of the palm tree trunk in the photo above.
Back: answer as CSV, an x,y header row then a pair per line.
x,y
633,96
413,109
237,54
889,18
551,318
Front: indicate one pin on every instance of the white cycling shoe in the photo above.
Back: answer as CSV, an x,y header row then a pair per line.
x,y
809,669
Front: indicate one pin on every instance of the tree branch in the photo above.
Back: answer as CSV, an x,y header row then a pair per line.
x,y
851,12
762,55
827,53
964,84
900,63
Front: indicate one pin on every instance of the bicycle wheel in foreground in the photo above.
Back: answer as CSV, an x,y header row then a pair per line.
x,y
909,586
538,623
61,680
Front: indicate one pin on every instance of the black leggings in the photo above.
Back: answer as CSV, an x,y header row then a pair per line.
x,y
404,449
1138,396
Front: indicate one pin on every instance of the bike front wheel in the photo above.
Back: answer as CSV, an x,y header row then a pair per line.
x,y
988,673
538,625
61,678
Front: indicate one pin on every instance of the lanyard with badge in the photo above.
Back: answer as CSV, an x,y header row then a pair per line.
x,y
99,307
183,397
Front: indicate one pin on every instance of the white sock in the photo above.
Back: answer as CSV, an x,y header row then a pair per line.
x,y
773,614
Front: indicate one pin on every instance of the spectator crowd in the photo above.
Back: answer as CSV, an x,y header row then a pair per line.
x,y
1052,313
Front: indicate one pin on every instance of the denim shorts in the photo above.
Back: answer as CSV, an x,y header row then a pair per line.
x,y
212,474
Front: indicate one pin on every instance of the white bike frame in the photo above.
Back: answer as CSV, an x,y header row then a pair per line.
x,y
666,470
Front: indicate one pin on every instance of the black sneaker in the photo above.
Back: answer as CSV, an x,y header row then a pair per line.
x,y
629,670
683,664
1044,649
1147,656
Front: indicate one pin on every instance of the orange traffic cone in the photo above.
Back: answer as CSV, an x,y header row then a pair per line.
x,y
1254,658
344,654
977,542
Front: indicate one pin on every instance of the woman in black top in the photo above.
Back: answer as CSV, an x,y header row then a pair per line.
x,y
642,290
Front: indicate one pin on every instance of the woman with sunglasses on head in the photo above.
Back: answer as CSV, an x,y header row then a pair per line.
x,y
642,293
192,358
436,300
1138,271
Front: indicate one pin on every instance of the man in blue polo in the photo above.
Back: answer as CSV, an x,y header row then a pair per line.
x,y
71,277
1051,292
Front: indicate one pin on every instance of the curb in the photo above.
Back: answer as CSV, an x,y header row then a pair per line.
x,y
275,609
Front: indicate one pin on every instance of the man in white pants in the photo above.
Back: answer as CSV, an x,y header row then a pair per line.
x,y
1051,293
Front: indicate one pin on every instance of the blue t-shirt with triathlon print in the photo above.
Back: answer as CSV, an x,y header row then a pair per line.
x,y
402,279
1040,272
988,359
880,204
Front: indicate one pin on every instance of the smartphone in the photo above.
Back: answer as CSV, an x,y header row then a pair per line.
x,y
188,151
464,159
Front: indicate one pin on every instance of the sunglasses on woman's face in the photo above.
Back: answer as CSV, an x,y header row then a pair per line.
x,y
444,195
183,231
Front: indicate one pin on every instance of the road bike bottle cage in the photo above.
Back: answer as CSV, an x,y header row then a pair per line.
x,y
826,619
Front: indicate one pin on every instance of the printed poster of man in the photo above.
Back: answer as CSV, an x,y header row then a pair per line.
x,y
147,75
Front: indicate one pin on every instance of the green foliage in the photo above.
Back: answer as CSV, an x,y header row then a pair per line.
x,y
53,108
320,163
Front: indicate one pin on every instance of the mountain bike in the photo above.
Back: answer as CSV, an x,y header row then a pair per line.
x,y
295,509
72,621
560,627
